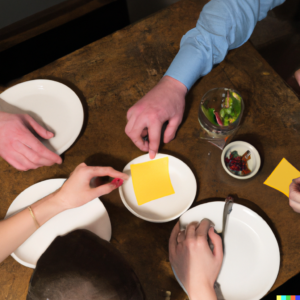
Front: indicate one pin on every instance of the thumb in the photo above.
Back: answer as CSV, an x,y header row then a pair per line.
x,y
217,241
105,189
171,129
40,130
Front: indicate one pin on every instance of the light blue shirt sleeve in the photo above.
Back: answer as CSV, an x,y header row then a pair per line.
x,y
223,25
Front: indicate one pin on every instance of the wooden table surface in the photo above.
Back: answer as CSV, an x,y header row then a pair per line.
x,y
109,76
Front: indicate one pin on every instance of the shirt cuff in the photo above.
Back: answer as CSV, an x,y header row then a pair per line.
x,y
187,66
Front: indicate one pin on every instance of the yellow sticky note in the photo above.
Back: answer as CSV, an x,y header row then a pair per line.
x,y
151,180
282,177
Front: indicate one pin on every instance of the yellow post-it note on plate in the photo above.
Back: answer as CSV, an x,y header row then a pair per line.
x,y
282,177
151,180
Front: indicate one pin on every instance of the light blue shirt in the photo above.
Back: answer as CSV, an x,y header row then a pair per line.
x,y
223,25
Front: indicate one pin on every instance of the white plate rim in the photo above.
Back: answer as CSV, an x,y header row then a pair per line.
x,y
159,155
62,180
80,120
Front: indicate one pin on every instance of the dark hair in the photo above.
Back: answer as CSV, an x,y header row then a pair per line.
x,y
82,266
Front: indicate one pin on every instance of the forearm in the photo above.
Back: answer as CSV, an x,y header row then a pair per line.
x,y
17,229
222,25
75,192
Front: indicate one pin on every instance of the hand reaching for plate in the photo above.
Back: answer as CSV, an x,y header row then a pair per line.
x,y
75,192
165,102
196,266
294,195
19,147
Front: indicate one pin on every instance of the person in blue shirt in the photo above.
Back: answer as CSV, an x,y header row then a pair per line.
x,y
223,25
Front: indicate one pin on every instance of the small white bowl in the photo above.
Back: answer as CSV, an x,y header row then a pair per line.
x,y
241,148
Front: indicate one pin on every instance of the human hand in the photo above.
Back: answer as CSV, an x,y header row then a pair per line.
x,y
196,266
19,147
294,195
77,190
165,102
297,76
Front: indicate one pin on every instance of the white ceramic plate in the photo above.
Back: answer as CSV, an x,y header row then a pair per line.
x,y
92,216
241,147
252,259
166,208
51,104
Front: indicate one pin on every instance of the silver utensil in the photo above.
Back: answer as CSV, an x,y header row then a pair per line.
x,y
227,210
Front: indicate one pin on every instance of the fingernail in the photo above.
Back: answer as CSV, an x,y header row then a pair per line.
x,y
117,182
50,134
211,224
152,154
195,223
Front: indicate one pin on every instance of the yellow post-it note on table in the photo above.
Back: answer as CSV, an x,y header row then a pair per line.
x,y
151,180
282,177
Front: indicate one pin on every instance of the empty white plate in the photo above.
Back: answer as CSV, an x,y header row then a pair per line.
x,y
251,260
92,216
53,105
166,208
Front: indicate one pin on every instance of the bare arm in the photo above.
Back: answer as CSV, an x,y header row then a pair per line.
x,y
75,192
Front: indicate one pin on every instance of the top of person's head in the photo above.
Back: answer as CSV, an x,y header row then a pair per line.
x,y
82,266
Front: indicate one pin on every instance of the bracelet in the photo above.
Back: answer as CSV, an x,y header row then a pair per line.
x,y
33,217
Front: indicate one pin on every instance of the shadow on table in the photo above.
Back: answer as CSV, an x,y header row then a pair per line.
x,y
252,206
105,160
